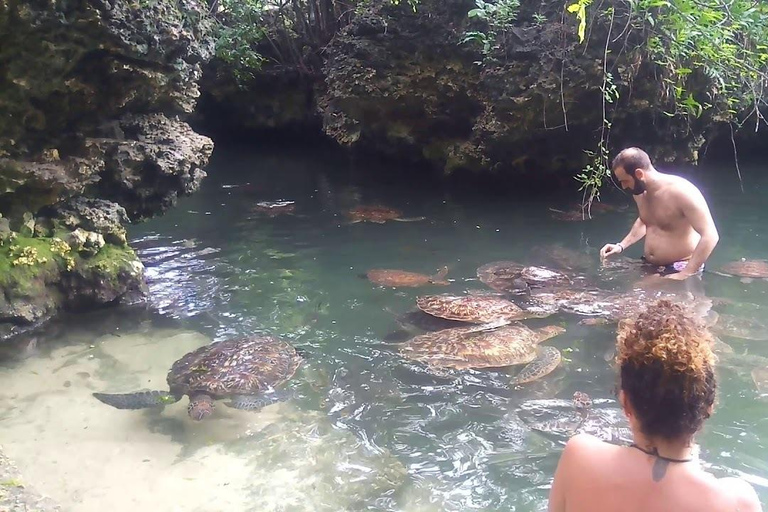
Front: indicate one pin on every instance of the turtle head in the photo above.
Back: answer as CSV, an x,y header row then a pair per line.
x,y
200,406
549,331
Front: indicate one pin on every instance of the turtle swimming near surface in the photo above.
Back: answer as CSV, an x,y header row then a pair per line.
x,y
377,214
740,327
747,270
512,277
475,309
562,419
503,276
563,257
245,370
485,346
402,278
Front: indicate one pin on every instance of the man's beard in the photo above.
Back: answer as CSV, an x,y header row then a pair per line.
x,y
639,187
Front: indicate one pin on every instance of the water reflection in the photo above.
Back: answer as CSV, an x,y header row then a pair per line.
x,y
366,429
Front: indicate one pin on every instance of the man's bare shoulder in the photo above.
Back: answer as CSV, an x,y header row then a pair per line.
x,y
681,185
683,192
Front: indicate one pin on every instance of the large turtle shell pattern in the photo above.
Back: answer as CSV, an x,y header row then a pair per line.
x,y
466,347
470,308
243,366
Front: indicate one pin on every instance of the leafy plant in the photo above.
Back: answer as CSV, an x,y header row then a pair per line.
x,y
240,30
499,15
711,56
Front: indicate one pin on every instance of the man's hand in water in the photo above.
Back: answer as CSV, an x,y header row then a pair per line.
x,y
610,250
678,276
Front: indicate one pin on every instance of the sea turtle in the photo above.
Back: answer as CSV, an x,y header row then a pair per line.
x,y
587,302
421,321
503,276
760,378
562,419
485,346
402,278
275,208
563,257
574,215
740,327
544,277
618,306
512,277
245,370
476,309
377,214
747,270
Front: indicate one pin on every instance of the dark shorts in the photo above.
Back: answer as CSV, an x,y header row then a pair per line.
x,y
672,268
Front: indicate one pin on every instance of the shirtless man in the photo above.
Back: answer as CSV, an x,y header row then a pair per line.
x,y
673,217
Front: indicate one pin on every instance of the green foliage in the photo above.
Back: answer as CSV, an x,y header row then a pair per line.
x,y
499,15
289,33
720,42
413,3
711,56
239,31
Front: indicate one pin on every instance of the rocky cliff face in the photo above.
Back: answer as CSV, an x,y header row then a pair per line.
x,y
403,83
93,96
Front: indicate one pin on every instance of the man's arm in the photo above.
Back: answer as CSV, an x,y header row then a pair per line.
x,y
695,209
636,233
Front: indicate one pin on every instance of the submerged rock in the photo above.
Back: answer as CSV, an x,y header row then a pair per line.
x,y
15,493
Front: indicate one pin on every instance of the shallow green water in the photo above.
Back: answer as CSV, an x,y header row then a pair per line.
x,y
397,437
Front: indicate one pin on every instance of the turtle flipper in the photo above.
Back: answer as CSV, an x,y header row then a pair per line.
x,y
139,400
547,359
257,402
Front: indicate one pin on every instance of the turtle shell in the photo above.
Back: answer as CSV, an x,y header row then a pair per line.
x,y
563,257
373,213
420,320
401,278
470,308
541,276
740,327
756,269
242,366
469,347
502,276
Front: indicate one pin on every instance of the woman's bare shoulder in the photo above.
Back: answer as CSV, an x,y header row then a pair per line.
x,y
742,493
584,442
584,447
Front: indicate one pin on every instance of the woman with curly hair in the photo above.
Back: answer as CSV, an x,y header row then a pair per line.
x,y
667,391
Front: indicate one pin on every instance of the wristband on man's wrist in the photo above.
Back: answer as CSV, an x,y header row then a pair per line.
x,y
620,246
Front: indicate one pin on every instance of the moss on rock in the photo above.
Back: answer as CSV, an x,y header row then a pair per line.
x,y
39,276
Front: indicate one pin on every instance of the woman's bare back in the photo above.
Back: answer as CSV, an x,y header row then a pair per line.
x,y
594,476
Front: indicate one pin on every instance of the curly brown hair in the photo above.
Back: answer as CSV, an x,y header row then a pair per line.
x,y
666,367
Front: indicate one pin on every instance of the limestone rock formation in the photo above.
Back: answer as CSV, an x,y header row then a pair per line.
x,y
93,98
